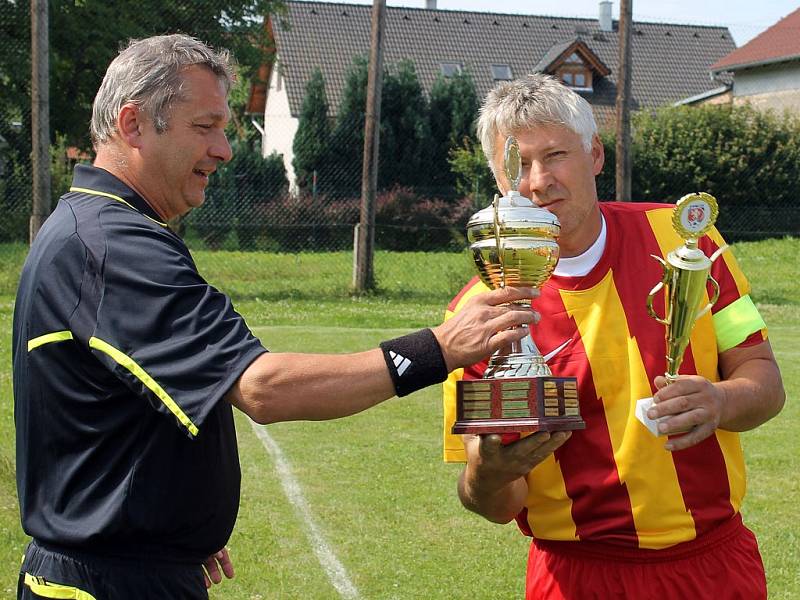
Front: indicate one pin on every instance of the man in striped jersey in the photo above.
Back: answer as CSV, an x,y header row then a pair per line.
x,y
613,510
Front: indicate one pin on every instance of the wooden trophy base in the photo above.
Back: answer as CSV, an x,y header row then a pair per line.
x,y
517,405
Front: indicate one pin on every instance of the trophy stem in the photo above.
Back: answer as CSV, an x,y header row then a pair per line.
x,y
521,359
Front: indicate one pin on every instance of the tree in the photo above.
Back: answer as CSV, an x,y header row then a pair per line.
x,y
244,193
473,176
453,110
85,36
745,157
737,153
405,130
347,139
312,140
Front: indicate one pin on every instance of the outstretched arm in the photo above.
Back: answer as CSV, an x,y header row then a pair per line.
x,y
290,386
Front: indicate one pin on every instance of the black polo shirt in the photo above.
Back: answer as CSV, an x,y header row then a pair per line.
x,y
122,354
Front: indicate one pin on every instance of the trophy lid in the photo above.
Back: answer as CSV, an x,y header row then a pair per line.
x,y
513,214
516,215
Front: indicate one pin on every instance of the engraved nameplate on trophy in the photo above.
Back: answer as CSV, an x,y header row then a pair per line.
x,y
514,243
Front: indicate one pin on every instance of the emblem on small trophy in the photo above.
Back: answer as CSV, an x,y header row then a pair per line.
x,y
513,243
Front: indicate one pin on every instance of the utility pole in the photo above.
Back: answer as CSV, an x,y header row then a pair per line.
x,y
623,151
363,275
40,117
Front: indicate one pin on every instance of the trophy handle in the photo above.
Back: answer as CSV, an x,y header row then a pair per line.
x,y
658,287
713,300
713,283
719,251
498,239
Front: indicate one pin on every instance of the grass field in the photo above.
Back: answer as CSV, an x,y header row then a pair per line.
x,y
374,483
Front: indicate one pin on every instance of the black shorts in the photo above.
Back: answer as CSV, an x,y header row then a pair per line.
x,y
46,573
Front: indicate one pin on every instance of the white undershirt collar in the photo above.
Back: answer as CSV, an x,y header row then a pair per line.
x,y
578,266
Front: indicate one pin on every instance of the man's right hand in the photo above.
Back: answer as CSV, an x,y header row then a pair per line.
x,y
485,325
493,483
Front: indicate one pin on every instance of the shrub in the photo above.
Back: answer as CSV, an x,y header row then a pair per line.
x,y
406,221
748,159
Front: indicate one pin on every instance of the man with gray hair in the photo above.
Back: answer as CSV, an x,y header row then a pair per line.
x,y
127,362
613,510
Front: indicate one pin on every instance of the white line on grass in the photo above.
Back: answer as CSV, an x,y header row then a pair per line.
x,y
333,568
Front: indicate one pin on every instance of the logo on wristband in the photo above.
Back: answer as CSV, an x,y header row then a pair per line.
x,y
401,363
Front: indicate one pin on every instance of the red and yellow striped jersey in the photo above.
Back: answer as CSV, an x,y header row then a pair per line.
x,y
614,482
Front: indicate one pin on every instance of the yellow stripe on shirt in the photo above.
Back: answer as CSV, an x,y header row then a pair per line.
x,y
131,365
547,495
654,491
49,338
114,197
452,445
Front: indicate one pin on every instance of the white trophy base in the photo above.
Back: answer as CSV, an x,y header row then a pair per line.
x,y
642,406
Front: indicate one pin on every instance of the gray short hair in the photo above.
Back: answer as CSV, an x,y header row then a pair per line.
x,y
531,101
148,72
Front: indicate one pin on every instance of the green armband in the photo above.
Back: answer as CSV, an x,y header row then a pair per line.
x,y
736,322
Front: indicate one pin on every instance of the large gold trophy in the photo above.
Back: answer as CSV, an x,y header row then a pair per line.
x,y
513,243
686,271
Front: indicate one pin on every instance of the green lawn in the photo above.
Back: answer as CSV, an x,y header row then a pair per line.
x,y
375,484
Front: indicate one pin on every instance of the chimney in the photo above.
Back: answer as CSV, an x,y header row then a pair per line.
x,y
430,4
605,16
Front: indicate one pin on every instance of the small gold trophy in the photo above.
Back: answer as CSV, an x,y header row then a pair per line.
x,y
686,271
513,243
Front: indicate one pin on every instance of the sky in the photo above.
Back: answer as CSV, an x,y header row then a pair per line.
x,y
744,18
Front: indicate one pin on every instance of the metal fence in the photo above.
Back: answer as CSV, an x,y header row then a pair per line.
x,y
282,204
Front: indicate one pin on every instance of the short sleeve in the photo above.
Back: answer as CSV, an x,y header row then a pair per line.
x,y
161,328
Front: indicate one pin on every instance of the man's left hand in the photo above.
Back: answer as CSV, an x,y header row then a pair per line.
x,y
692,404
215,565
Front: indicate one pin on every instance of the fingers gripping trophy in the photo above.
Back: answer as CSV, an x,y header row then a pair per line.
x,y
514,243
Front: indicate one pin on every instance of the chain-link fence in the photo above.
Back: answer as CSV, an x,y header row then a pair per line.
x,y
294,183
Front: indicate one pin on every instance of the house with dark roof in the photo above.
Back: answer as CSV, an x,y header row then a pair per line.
x,y
766,70
670,61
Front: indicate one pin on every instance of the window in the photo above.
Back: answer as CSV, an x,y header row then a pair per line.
x,y
449,69
501,73
576,77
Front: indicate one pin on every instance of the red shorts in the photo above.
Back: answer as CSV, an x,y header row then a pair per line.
x,y
722,565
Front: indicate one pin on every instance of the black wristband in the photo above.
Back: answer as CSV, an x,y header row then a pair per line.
x,y
415,361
